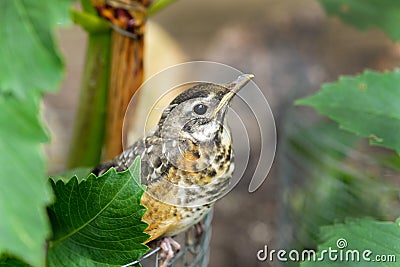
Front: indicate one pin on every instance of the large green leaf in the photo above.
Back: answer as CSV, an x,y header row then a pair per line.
x,y
384,14
6,261
29,59
357,237
367,105
331,189
24,193
29,65
97,221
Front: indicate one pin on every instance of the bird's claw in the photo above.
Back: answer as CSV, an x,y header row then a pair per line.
x,y
168,249
199,230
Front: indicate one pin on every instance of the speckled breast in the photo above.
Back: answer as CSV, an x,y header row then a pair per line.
x,y
184,205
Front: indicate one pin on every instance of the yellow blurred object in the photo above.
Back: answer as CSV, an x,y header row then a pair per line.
x,y
161,51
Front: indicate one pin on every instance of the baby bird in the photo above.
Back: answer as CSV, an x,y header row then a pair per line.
x,y
186,162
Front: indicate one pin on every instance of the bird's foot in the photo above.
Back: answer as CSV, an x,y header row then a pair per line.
x,y
199,230
168,249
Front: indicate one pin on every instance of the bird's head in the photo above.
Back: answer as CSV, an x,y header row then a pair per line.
x,y
194,117
198,113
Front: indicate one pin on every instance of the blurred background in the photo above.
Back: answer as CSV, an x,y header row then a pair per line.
x,y
291,47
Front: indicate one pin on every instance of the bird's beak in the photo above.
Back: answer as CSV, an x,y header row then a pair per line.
x,y
233,87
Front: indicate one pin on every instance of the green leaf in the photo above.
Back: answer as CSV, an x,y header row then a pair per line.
x,y
307,145
81,173
367,105
28,55
29,65
158,5
97,222
24,193
332,189
334,196
6,261
384,14
88,7
357,237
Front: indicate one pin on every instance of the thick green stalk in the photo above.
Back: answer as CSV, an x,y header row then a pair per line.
x,y
89,129
88,134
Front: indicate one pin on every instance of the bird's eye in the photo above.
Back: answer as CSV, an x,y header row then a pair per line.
x,y
200,109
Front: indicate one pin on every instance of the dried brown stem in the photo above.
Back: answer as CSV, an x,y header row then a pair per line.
x,y
126,77
128,20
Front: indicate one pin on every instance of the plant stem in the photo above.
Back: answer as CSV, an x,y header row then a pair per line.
x,y
100,118
88,134
126,75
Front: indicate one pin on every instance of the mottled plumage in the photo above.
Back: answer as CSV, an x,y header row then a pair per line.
x,y
187,161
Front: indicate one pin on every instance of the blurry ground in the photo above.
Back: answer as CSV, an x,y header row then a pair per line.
x,y
291,47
